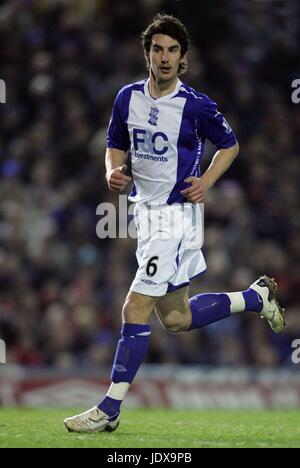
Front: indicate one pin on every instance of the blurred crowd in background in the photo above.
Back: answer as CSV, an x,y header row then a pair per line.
x,y
61,287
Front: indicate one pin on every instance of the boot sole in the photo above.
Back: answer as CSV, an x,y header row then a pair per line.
x,y
107,429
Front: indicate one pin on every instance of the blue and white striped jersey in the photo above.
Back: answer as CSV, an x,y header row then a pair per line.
x,y
165,138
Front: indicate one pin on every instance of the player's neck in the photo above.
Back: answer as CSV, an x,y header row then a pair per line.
x,y
158,90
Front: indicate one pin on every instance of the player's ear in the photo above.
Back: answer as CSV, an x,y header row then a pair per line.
x,y
183,64
147,58
147,61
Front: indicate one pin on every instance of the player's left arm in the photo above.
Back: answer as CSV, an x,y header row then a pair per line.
x,y
221,161
212,125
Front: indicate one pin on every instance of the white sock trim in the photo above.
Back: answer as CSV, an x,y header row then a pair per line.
x,y
118,390
237,302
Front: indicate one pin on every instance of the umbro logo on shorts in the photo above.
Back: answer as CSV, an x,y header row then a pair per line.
x,y
147,281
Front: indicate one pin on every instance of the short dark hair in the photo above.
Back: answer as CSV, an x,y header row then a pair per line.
x,y
171,26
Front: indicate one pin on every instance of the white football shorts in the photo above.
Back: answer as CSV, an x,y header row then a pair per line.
x,y
169,253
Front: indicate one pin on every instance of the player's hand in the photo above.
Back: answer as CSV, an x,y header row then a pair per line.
x,y
117,180
197,190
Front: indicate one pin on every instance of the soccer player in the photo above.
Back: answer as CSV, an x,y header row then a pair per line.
x,y
158,127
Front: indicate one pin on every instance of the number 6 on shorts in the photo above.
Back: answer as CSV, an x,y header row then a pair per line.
x,y
151,266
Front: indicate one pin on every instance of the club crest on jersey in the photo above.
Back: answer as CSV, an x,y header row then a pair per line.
x,y
153,116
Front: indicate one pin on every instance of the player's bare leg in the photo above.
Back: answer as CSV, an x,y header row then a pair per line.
x,y
173,310
138,308
130,354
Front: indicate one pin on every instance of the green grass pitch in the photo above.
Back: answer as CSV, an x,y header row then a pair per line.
x,y
155,428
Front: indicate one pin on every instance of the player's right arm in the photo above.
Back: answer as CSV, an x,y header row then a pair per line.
x,y
115,169
117,145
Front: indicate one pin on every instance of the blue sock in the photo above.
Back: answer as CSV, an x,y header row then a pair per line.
x,y
111,407
253,300
209,308
130,353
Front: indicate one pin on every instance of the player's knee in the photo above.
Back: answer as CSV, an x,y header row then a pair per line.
x,y
137,309
130,312
176,324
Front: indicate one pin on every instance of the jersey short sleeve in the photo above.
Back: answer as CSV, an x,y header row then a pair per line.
x,y
117,133
213,125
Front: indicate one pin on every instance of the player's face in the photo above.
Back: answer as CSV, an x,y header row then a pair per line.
x,y
165,57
